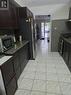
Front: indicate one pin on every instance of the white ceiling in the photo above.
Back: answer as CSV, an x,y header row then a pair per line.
x,y
33,3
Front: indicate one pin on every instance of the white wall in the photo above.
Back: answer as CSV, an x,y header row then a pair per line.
x,y
58,11
70,3
62,12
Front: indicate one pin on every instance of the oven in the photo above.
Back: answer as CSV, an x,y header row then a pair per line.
x,y
60,46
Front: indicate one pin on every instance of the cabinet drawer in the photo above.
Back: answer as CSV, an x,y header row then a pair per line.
x,y
7,71
11,87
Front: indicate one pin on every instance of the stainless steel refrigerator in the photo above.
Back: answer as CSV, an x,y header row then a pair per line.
x,y
27,30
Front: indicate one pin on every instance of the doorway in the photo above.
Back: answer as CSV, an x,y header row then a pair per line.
x,y
46,33
42,30
44,24
45,29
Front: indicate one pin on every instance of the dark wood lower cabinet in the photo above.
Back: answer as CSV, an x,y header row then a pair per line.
x,y
12,69
17,65
16,60
69,63
66,53
23,57
8,70
9,78
11,87
18,72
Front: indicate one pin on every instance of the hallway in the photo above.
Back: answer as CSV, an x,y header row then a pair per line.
x,y
47,75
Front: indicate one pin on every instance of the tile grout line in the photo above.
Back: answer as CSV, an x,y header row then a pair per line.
x,y
59,82
33,80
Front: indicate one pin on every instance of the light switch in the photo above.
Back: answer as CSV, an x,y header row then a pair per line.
x,y
55,28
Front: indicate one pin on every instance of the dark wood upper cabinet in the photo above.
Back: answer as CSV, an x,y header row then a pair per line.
x,y
8,16
24,12
5,19
14,15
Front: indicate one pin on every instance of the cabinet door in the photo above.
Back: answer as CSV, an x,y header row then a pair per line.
x,y
17,65
18,73
5,19
7,71
69,65
11,87
22,64
14,16
66,52
60,46
8,18
16,61
26,54
23,57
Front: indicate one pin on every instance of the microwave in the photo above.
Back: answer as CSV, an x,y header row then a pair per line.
x,y
6,42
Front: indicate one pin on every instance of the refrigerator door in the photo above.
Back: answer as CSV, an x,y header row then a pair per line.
x,y
33,39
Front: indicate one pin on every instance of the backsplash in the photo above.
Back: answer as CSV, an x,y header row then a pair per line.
x,y
10,32
6,32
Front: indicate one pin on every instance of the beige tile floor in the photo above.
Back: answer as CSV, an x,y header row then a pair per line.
x,y
47,75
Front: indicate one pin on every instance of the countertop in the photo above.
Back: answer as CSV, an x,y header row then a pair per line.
x,y
11,51
3,59
67,40
16,47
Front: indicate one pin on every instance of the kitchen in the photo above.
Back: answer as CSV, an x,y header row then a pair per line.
x,y
17,43
21,46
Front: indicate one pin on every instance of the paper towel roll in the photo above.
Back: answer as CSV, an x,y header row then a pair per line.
x,y
20,38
